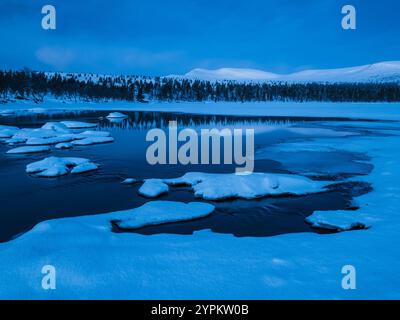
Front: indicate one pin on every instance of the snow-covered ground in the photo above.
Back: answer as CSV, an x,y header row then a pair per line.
x,y
93,262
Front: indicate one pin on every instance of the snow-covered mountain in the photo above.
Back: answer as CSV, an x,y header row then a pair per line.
x,y
378,72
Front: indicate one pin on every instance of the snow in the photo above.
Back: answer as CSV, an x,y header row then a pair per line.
x,y
153,188
78,124
94,133
53,140
129,181
35,133
116,115
24,150
94,263
337,220
160,212
210,186
63,146
92,140
54,167
84,167
379,72
57,127
7,131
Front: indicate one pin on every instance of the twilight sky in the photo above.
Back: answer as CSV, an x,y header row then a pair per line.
x,y
159,37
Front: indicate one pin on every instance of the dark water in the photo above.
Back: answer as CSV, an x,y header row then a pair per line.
x,y
27,200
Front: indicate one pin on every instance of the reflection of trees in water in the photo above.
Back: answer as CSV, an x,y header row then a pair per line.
x,y
148,120
139,120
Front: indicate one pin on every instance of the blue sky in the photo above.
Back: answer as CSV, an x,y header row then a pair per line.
x,y
174,36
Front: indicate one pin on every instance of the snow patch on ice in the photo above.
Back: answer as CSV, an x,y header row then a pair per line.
x,y
78,124
92,140
337,220
129,181
153,188
57,127
25,150
64,146
211,186
116,115
159,212
7,131
54,167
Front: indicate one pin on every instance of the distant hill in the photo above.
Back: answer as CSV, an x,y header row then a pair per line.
x,y
378,72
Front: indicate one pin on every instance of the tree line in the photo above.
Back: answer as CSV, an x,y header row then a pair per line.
x,y
27,84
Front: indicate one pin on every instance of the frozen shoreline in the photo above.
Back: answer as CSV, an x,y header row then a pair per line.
x,y
367,111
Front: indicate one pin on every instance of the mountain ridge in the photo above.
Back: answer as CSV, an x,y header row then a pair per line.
x,y
388,71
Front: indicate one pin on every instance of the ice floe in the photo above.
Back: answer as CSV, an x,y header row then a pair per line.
x,y
337,220
95,133
78,124
25,150
159,212
7,131
129,181
52,140
57,127
211,186
84,167
116,115
54,166
63,146
92,140
153,188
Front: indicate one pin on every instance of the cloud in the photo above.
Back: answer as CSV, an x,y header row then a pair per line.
x,y
58,58
103,59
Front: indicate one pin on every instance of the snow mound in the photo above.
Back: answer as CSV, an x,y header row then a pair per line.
x,y
54,167
92,140
25,150
35,133
116,115
94,133
53,140
7,131
78,124
129,181
160,212
337,220
64,146
247,186
84,167
153,188
57,127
